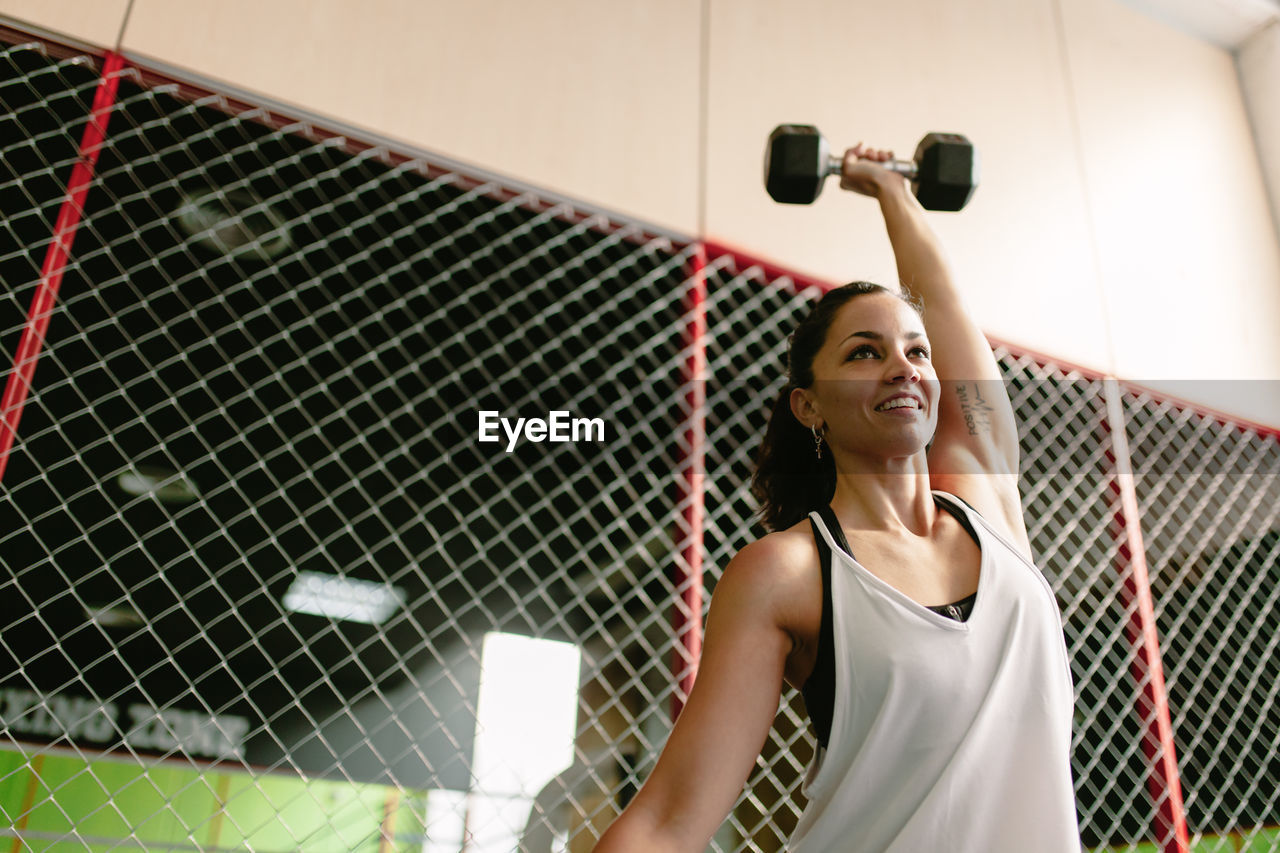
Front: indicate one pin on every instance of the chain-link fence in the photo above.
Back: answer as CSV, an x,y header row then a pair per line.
x,y
282,570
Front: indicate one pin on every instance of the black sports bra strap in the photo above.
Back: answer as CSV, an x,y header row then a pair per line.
x,y
819,688
834,526
944,500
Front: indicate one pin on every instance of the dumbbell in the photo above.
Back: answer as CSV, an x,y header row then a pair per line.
x,y
943,173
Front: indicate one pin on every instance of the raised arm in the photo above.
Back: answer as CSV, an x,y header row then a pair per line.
x,y
975,449
723,726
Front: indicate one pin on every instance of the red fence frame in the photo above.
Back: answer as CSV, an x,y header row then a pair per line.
x,y
31,344
1164,784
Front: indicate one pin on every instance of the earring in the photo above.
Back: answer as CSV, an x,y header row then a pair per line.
x,y
817,440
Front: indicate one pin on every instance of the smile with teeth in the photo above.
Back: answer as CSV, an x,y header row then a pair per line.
x,y
898,403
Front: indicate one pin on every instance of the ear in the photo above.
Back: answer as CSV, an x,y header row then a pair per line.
x,y
805,408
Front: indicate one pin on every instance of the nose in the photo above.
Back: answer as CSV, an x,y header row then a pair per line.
x,y
899,367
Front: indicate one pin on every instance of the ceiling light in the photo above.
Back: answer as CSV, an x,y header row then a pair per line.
x,y
164,484
114,615
233,222
342,598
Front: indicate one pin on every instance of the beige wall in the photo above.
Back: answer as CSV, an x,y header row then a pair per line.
x,y
1121,222
1188,256
888,75
97,22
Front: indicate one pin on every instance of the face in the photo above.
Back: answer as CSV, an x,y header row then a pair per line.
x,y
874,389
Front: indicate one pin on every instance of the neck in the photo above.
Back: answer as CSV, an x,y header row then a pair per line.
x,y
894,495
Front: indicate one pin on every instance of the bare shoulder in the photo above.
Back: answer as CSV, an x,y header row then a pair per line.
x,y
778,572
774,561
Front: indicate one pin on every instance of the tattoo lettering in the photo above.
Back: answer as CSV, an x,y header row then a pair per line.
x,y
977,411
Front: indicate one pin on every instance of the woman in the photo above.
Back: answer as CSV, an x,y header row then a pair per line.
x,y
933,665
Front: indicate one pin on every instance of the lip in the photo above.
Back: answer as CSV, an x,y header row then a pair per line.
x,y
919,404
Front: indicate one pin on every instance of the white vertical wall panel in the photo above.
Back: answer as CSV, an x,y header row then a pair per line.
x,y
1258,61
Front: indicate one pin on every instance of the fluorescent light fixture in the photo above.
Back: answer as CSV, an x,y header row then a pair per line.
x,y
114,615
343,598
233,222
164,484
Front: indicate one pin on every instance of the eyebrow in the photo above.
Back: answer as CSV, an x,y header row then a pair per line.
x,y
876,336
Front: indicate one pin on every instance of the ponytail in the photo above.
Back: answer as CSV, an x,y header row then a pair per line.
x,y
790,481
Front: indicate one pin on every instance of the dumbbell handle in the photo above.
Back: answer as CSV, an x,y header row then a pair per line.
x,y
835,166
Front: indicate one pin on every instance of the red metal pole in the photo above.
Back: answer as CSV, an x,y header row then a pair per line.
x,y
30,345
687,618
1163,783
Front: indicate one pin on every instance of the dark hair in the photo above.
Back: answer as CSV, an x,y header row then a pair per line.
x,y
789,480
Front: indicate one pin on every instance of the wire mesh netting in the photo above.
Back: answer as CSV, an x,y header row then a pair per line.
x,y
269,585
1210,499
291,388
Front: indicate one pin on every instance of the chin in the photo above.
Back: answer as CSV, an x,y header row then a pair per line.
x,y
907,448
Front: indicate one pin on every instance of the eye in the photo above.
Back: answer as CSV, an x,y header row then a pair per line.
x,y
921,351
863,351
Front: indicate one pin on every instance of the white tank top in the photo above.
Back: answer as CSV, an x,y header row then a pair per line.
x,y
945,735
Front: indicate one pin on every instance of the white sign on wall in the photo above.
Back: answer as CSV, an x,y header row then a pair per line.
x,y
136,727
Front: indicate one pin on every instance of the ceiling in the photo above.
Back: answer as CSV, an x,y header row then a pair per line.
x,y
1226,23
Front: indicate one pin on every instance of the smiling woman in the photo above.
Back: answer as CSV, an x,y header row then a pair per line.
x,y
933,665
871,385
790,475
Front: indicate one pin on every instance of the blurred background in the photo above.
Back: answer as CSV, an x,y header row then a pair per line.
x,y
265,589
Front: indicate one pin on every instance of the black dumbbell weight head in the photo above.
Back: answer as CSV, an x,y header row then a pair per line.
x,y
796,163
946,171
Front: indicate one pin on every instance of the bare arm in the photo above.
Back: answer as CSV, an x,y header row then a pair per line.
x,y
975,449
722,728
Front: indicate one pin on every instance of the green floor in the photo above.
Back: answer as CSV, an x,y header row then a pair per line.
x,y
57,802
1249,841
